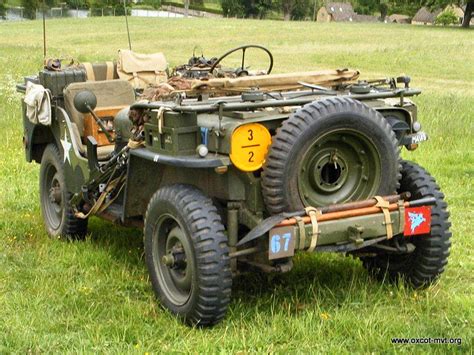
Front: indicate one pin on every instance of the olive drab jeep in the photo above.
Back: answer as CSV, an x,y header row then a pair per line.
x,y
229,170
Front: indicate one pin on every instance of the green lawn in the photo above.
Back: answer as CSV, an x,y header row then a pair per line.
x,y
94,296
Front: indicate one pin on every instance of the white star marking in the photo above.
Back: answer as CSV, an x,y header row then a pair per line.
x,y
66,148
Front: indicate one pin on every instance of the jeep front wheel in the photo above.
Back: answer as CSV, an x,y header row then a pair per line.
x,y
58,215
187,254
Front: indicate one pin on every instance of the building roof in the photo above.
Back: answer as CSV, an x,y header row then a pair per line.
x,y
426,16
365,18
340,11
398,18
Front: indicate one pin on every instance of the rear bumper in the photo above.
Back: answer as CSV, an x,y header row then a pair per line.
x,y
343,228
341,235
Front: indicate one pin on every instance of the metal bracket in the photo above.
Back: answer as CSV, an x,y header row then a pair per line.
x,y
92,159
355,234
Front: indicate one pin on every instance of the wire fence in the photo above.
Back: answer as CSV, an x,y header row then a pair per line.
x,y
19,13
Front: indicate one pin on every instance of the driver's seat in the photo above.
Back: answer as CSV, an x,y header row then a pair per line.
x,y
112,95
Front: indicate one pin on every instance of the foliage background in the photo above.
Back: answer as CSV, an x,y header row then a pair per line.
x,y
94,296
286,9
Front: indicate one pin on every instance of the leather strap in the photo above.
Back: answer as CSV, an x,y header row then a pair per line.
x,y
302,230
313,215
401,218
383,205
89,71
110,71
100,205
137,80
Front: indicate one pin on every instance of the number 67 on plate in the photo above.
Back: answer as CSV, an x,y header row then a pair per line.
x,y
281,243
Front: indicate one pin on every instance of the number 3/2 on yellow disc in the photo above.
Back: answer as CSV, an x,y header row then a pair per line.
x,y
249,146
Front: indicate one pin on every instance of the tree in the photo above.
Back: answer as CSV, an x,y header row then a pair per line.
x,y
301,9
29,7
447,18
77,4
256,8
294,9
383,8
3,9
232,8
286,6
443,3
468,14
365,7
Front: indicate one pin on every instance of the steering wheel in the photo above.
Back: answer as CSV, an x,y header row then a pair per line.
x,y
243,49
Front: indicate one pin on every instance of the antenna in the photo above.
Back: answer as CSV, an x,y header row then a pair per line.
x,y
126,21
44,30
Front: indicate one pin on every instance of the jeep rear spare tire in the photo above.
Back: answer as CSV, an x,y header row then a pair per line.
x,y
330,151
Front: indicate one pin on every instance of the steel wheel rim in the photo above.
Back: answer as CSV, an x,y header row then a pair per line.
x,y
52,196
176,281
339,166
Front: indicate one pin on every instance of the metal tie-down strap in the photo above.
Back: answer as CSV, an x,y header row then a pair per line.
x,y
383,205
313,215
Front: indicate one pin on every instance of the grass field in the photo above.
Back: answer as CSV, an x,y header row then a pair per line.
x,y
94,296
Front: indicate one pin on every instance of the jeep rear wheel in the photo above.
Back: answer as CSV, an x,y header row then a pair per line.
x,y
424,265
331,151
58,215
187,254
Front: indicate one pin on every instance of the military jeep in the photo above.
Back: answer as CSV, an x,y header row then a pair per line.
x,y
230,171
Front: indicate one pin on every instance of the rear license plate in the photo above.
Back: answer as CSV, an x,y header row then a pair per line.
x,y
281,243
417,220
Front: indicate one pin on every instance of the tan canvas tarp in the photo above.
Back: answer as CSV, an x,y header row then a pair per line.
x,y
289,81
141,70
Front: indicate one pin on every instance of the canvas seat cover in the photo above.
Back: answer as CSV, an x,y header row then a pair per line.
x,y
108,93
100,71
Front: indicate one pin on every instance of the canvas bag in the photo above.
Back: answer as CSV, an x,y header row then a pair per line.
x,y
38,104
142,70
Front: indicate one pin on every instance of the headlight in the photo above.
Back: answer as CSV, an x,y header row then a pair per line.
x,y
249,146
416,126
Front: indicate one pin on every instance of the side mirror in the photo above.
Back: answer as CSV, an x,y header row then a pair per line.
x,y
85,101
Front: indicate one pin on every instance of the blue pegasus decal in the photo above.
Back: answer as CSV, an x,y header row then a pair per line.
x,y
416,220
